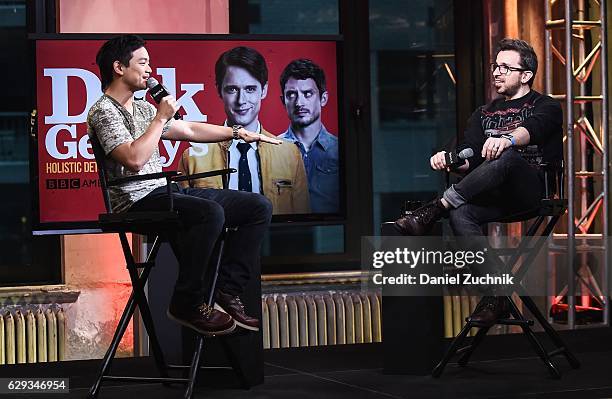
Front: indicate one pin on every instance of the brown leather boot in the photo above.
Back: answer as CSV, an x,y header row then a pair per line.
x,y
490,309
202,318
420,221
233,306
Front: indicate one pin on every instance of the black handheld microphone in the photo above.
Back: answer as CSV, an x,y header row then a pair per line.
x,y
158,91
454,160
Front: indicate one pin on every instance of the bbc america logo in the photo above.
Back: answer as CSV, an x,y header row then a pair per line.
x,y
70,184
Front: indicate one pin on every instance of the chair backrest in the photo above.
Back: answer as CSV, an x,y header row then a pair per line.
x,y
100,157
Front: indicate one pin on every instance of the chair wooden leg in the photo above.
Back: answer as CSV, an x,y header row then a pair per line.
x,y
147,319
137,298
457,341
213,285
551,332
537,346
124,321
478,338
138,284
197,354
195,366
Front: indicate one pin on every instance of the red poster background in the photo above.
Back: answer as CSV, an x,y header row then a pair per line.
x,y
68,190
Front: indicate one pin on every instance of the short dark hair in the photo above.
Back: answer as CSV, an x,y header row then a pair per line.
x,y
116,49
302,69
242,57
529,59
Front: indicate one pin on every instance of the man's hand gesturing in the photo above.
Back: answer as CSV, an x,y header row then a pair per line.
x,y
493,147
249,137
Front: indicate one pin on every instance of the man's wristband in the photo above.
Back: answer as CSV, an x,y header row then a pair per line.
x,y
509,137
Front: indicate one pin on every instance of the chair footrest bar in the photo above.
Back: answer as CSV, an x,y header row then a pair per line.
x,y
181,367
515,322
507,322
462,350
557,351
144,379
509,251
141,265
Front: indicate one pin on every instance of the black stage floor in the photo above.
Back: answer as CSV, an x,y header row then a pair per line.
x,y
355,372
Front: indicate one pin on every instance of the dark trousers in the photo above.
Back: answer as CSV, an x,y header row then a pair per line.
x,y
495,189
204,213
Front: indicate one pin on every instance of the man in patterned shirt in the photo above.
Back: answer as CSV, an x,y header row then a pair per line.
x,y
129,131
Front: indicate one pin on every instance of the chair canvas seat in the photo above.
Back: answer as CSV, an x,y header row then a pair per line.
x,y
139,222
547,207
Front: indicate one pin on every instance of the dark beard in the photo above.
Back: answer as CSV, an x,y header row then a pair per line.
x,y
511,91
301,124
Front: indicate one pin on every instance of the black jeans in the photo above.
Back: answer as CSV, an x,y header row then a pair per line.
x,y
204,213
495,189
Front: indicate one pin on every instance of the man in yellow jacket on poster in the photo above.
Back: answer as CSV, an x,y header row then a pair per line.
x,y
241,77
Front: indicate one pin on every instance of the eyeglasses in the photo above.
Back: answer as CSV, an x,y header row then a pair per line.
x,y
505,69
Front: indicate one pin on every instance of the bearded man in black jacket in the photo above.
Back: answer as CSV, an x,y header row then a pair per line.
x,y
505,135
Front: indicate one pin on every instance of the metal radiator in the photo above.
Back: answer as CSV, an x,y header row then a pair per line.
x,y
458,305
32,334
320,318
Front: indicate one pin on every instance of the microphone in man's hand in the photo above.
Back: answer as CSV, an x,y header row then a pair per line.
x,y
454,160
158,91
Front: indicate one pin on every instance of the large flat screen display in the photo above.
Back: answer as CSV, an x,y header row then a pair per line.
x,y
289,104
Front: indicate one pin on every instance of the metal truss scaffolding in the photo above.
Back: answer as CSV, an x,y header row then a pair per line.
x,y
575,46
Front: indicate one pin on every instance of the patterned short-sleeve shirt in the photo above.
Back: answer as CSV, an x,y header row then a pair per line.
x,y
114,125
